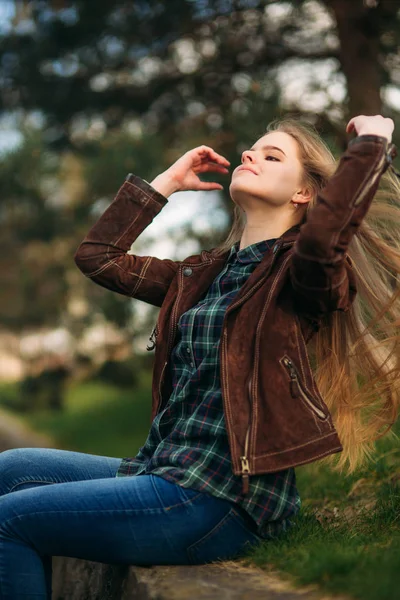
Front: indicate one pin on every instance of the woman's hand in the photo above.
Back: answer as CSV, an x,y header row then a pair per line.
x,y
183,174
376,125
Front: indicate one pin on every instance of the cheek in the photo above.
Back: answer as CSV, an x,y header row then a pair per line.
x,y
288,180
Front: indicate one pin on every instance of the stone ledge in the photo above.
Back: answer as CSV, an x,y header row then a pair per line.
x,y
75,579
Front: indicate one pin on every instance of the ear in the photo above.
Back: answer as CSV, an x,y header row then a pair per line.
x,y
303,195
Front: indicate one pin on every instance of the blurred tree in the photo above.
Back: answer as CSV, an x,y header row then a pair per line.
x,y
32,260
369,36
46,209
130,86
83,63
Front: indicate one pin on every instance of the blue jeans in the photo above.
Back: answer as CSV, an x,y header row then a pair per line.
x,y
71,504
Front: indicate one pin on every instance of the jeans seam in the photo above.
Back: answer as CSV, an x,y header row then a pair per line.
x,y
183,503
31,481
196,545
97,511
244,525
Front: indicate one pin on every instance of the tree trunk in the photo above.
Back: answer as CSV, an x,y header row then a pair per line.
x,y
358,30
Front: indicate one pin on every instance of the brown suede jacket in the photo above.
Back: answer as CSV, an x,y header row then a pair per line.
x,y
274,413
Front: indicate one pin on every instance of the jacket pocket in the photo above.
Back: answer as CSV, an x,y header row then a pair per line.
x,y
228,539
297,390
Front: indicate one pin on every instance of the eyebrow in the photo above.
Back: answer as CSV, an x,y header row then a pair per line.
x,y
270,148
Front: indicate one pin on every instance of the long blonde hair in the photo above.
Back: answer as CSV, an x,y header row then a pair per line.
x,y
355,355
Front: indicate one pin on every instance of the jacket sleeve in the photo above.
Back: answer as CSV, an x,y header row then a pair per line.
x,y
102,256
321,274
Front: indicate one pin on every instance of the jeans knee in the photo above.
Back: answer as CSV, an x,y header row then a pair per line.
x,y
15,455
14,463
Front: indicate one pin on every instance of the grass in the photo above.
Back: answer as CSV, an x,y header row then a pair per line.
x,y
361,560
99,419
346,538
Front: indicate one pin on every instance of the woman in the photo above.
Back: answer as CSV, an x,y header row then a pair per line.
x,y
238,406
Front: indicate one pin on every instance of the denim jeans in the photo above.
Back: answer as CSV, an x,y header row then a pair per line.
x,y
63,503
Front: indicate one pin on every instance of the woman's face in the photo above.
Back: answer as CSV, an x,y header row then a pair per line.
x,y
272,175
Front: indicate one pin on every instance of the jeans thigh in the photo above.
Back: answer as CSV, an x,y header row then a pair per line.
x,y
22,468
141,520
126,520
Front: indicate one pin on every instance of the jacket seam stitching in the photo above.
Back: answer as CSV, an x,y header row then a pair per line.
x,y
144,206
113,262
336,235
290,465
145,193
318,424
141,276
317,439
297,326
376,162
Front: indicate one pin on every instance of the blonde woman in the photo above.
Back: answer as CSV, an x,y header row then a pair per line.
x,y
308,274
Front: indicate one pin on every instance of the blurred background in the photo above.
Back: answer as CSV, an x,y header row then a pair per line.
x,y
93,89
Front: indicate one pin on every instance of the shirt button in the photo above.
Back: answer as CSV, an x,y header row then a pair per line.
x,y
187,271
192,364
188,350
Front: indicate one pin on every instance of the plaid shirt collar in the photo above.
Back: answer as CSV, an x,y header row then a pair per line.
x,y
253,253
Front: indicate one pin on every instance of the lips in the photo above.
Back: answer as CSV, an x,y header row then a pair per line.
x,y
246,169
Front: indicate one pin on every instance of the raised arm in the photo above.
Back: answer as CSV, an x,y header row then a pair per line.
x,y
103,254
321,274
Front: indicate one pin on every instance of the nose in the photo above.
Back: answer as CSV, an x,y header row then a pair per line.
x,y
247,156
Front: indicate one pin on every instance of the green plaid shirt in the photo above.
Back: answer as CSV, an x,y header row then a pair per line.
x,y
187,443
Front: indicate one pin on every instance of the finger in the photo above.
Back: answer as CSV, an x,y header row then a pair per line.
x,y
350,125
207,186
207,167
217,157
391,123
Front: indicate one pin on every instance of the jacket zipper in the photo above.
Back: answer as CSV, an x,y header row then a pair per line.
x,y
295,385
245,472
245,464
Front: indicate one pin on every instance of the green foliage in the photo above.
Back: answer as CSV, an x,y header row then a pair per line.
x,y
151,59
119,373
109,160
10,397
361,559
346,537
99,418
23,204
44,391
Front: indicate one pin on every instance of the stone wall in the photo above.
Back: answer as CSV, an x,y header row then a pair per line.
x,y
75,579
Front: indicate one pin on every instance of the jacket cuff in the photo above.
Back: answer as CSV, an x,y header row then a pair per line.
x,y
369,138
389,148
145,187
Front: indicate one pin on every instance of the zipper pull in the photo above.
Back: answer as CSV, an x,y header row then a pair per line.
x,y
153,341
245,475
293,377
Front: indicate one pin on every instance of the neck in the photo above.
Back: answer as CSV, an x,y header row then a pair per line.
x,y
259,228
